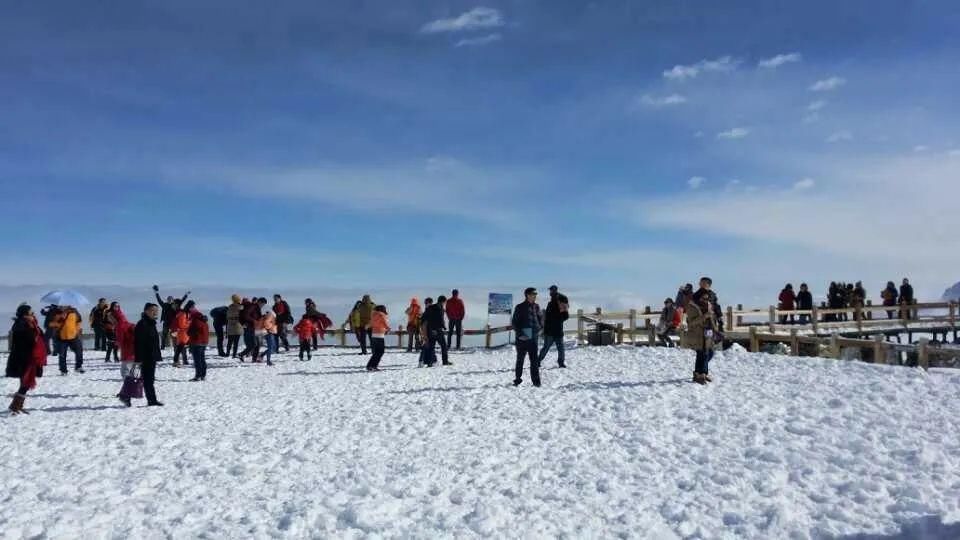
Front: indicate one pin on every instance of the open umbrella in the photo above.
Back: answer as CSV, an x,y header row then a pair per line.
x,y
66,297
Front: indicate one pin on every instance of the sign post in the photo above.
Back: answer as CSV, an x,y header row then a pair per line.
x,y
499,304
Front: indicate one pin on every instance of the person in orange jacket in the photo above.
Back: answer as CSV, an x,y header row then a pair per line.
x,y
305,330
379,328
180,327
199,336
413,324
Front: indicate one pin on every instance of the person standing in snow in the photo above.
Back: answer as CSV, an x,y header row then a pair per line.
x,y
170,309
52,319
252,328
804,302
413,325
109,322
284,318
527,322
319,320
379,328
234,327
147,351
218,316
434,327
27,355
96,324
305,330
70,339
788,302
907,299
557,312
366,315
706,289
666,324
269,327
890,297
699,336
356,324
456,312
199,334
427,357
179,327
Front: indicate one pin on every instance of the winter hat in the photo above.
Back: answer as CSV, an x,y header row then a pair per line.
x,y
23,310
554,288
455,292
441,299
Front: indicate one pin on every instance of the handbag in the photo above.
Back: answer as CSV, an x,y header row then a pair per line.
x,y
133,383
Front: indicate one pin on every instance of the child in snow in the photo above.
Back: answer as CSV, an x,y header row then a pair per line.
x,y
305,330
379,328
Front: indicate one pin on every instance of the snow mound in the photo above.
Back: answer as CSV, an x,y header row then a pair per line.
x,y
619,444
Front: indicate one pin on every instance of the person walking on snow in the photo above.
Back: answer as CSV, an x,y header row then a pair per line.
x,y
199,334
70,339
218,316
270,328
356,324
669,320
320,321
170,309
413,313
379,328
284,318
557,312
366,315
706,289
109,330
27,355
433,321
699,336
456,312
181,323
147,351
52,319
305,330
527,322
96,324
252,313
234,327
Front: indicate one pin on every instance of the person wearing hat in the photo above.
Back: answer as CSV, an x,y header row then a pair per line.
x,y
557,312
527,322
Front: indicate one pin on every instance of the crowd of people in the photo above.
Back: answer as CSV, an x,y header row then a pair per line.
x,y
695,314
841,295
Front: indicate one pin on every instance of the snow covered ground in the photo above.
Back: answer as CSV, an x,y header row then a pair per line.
x,y
619,444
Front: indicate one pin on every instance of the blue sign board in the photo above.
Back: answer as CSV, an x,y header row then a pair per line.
x,y
500,304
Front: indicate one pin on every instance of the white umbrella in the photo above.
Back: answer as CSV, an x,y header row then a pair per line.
x,y
67,297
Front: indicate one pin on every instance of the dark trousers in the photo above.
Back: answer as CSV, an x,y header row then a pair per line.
x,y
361,334
316,344
74,345
53,344
664,339
433,338
233,346
527,347
783,319
282,337
110,345
456,327
804,319
305,348
199,353
99,339
165,335
548,341
148,370
179,350
703,361
378,346
219,331
249,340
413,334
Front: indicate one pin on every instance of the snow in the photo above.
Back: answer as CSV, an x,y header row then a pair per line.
x,y
619,444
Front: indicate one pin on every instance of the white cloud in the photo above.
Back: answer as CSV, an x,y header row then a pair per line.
x,y
954,153
840,136
734,133
779,60
733,184
816,105
478,17
698,134
811,118
920,148
479,41
695,182
826,85
722,64
804,184
665,101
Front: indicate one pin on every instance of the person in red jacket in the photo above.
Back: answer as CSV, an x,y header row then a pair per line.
x,y
284,317
305,330
199,336
788,302
27,356
181,327
455,314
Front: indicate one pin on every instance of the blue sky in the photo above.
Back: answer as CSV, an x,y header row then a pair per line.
x,y
380,143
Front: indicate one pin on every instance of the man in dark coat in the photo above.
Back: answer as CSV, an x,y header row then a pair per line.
x,y
284,318
50,314
557,313
706,289
219,317
97,316
147,351
432,321
906,299
527,323
170,309
804,302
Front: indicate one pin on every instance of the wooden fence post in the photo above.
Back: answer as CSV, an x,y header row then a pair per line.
x,y
754,340
343,335
581,327
646,320
953,315
633,326
923,354
815,318
773,318
739,317
879,350
489,338
834,346
730,326
794,343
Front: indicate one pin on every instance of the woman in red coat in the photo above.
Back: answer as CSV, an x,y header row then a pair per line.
x,y
788,302
28,355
